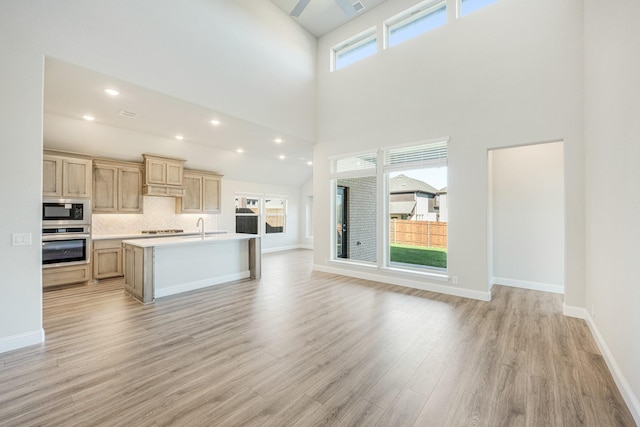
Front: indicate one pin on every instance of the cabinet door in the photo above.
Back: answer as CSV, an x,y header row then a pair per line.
x,y
156,171
211,194
192,199
107,263
105,185
130,190
174,173
51,176
76,178
134,271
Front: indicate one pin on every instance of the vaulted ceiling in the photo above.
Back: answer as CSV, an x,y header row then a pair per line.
x,y
322,16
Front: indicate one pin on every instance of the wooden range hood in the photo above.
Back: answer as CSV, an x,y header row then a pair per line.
x,y
163,176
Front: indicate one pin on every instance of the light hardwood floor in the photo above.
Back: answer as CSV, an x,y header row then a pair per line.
x,y
301,348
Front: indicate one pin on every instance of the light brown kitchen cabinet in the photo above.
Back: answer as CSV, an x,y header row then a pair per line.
x,y
202,193
107,259
117,187
67,275
137,282
163,176
66,177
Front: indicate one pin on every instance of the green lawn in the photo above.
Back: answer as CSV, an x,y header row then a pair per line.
x,y
419,255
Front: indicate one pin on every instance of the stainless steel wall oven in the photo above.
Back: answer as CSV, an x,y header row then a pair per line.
x,y
66,246
66,232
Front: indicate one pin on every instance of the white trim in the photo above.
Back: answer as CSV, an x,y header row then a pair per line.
x,y
623,385
199,284
525,284
406,282
21,340
285,248
572,311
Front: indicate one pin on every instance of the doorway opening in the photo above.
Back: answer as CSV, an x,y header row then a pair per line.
x,y
526,216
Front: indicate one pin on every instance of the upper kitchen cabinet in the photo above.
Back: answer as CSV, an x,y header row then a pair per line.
x,y
67,177
163,176
117,187
202,193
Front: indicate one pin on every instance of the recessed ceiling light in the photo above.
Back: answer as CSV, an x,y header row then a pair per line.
x,y
310,163
240,150
215,122
281,157
179,137
278,140
112,92
88,118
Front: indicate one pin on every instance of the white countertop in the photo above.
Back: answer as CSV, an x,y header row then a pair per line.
x,y
153,242
151,236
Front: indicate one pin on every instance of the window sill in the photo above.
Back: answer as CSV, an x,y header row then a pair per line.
x,y
408,273
442,277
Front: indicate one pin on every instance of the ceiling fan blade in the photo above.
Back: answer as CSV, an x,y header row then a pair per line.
x,y
347,8
299,8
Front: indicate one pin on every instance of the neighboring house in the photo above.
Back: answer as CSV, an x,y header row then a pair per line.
x,y
416,200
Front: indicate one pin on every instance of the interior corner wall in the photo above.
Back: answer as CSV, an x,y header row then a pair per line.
x,y
612,130
493,78
528,216
242,58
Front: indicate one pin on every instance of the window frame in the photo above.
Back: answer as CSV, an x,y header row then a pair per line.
x,y
261,216
352,43
459,8
381,172
284,214
410,15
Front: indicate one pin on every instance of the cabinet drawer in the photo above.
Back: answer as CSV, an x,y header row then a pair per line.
x,y
107,244
56,276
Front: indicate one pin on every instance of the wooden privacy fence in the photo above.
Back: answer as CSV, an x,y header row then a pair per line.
x,y
418,233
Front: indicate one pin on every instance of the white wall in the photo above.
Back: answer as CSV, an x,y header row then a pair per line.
x,y
242,58
612,128
510,74
306,214
528,216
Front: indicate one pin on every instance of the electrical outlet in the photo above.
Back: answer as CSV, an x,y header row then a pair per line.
x,y
454,280
21,239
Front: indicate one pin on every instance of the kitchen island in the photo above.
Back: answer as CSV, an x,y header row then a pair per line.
x,y
158,267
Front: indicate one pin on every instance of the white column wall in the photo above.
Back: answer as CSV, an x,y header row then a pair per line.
x,y
612,130
509,74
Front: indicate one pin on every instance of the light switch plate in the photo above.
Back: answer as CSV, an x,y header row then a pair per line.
x,y
21,239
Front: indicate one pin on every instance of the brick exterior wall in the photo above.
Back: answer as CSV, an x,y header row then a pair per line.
x,y
361,218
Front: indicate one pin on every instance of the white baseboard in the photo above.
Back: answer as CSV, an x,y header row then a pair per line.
x,y
21,340
199,284
406,282
623,385
525,284
285,248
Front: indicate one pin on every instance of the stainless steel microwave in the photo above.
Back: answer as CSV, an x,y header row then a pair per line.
x,y
66,212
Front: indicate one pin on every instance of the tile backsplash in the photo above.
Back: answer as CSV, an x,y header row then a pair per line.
x,y
159,214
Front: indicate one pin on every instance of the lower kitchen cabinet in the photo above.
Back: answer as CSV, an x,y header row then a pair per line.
x,y
67,275
138,277
107,259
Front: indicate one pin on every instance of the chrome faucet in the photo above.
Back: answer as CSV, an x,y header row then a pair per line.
x,y
201,221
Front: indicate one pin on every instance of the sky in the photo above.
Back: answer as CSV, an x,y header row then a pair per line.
x,y
435,177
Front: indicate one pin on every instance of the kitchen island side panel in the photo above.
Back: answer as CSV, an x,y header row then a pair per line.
x,y
183,268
